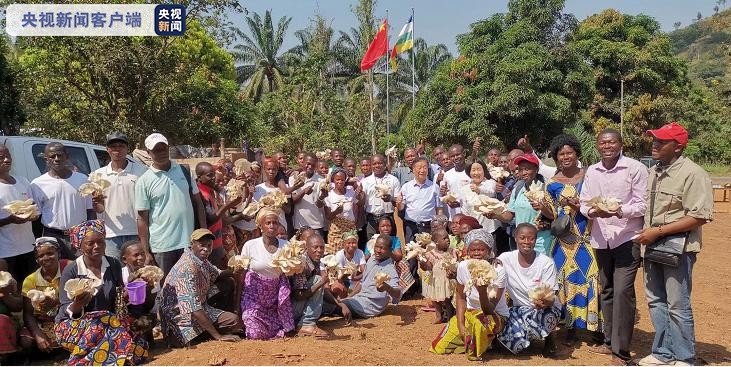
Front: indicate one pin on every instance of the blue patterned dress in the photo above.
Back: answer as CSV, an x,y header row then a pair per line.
x,y
577,267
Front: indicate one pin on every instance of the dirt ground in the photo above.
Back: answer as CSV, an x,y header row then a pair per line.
x,y
402,335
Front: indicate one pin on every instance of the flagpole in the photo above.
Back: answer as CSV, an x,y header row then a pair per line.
x,y
413,61
388,124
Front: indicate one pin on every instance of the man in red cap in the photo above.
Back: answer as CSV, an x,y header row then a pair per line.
x,y
680,201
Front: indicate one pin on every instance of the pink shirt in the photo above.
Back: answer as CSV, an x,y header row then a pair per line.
x,y
627,181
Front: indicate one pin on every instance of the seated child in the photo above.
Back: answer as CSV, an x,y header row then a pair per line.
x,y
39,317
133,259
350,253
373,298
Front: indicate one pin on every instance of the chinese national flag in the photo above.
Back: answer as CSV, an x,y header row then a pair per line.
x,y
377,48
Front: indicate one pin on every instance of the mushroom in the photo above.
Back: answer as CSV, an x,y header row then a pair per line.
x,y
382,190
610,205
423,238
249,210
288,260
449,198
322,155
275,198
449,263
241,167
5,279
481,273
535,192
381,278
542,292
25,209
151,274
487,205
95,186
239,262
78,286
497,172
235,189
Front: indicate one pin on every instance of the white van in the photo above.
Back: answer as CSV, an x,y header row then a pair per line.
x,y
28,160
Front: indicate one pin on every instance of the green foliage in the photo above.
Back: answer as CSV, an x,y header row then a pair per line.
x,y
632,48
263,69
11,113
515,76
82,88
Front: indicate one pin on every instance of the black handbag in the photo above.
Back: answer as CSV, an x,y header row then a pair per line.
x,y
561,226
667,250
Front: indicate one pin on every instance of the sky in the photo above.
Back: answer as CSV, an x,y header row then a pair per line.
x,y
440,21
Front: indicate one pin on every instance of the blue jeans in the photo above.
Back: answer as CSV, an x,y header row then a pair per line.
x,y
307,311
668,297
114,244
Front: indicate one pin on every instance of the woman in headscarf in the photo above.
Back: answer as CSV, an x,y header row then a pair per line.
x,y
481,313
265,305
39,317
578,271
270,184
339,209
94,327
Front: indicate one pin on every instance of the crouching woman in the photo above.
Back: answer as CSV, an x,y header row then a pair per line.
x,y
532,317
85,325
481,313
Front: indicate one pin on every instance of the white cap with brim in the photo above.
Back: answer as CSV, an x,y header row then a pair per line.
x,y
155,139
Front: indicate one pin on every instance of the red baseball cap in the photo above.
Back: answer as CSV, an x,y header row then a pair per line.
x,y
671,131
527,157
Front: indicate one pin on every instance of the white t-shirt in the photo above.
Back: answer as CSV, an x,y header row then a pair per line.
x,y
306,212
260,191
15,239
473,300
333,199
468,199
261,259
125,277
455,181
374,204
521,280
358,258
59,201
120,216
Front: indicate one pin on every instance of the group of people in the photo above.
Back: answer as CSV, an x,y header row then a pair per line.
x,y
341,212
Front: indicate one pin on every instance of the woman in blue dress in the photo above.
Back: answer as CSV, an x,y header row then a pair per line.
x,y
571,250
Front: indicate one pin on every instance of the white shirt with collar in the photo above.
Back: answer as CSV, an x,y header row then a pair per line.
x,y
420,200
374,204
120,216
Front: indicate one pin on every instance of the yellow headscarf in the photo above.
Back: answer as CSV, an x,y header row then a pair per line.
x,y
266,211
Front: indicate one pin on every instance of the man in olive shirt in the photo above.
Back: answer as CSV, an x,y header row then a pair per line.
x,y
680,199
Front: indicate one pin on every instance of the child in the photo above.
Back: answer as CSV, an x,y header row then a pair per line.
x,y
455,241
39,318
373,297
435,284
350,253
133,259
322,168
384,227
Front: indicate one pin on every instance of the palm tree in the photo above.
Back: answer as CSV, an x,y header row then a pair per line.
x,y
421,64
263,67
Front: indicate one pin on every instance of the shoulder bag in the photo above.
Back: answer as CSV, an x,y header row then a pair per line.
x,y
667,249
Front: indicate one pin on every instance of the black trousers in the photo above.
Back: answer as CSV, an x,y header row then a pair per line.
x,y
412,228
617,271
502,241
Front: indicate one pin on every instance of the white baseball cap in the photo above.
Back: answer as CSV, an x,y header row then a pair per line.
x,y
154,139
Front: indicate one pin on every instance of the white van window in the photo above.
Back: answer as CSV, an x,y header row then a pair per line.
x,y
102,157
77,158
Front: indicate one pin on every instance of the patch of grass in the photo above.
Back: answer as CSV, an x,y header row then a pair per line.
x,y
714,169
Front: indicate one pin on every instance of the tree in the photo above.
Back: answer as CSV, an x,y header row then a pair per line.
x,y
515,76
11,113
677,25
721,3
263,67
632,48
80,88
715,9
698,17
